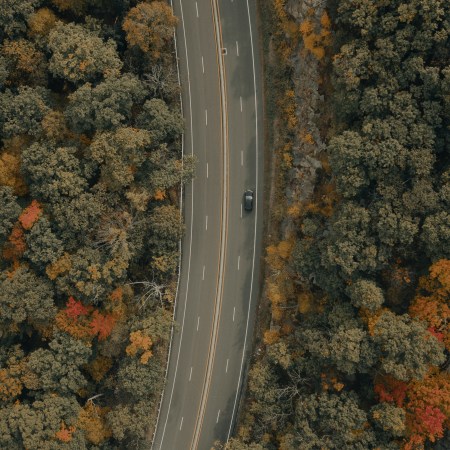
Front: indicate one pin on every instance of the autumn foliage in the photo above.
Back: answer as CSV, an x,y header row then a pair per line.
x,y
102,325
316,36
139,341
426,403
83,322
432,302
65,433
150,26
75,308
30,215
16,245
92,420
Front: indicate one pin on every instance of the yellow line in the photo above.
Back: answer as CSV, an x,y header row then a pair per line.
x,y
222,254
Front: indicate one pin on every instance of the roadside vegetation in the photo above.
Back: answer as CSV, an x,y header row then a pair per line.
x,y
90,171
353,345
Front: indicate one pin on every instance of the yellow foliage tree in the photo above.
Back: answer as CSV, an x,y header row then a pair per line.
x,y
10,173
41,22
271,337
99,367
149,26
26,62
60,266
139,341
91,419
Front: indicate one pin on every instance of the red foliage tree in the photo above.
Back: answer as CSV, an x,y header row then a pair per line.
x,y
426,403
75,308
429,422
391,390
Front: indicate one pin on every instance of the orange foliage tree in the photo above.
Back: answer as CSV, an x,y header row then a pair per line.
x,y
65,434
74,319
102,325
16,246
432,302
30,215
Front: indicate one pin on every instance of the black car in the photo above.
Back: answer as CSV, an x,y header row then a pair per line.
x,y
248,200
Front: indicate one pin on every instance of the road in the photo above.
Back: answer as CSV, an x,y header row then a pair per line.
x,y
219,69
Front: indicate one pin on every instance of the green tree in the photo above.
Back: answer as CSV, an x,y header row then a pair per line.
x,y
25,297
166,227
347,159
389,418
106,106
22,113
128,421
167,170
366,294
138,381
435,235
406,349
13,15
79,55
348,243
337,338
75,218
43,246
58,367
163,124
26,64
235,444
332,421
35,425
9,212
4,73
53,173
119,154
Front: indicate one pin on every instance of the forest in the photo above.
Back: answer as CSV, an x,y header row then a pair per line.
x,y
90,172
353,348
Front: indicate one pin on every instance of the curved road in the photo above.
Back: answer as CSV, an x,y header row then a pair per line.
x,y
219,70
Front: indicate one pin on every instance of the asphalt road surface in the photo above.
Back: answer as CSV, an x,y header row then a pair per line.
x,y
219,65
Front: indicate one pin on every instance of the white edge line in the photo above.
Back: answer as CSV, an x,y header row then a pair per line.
x,y
190,243
256,222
